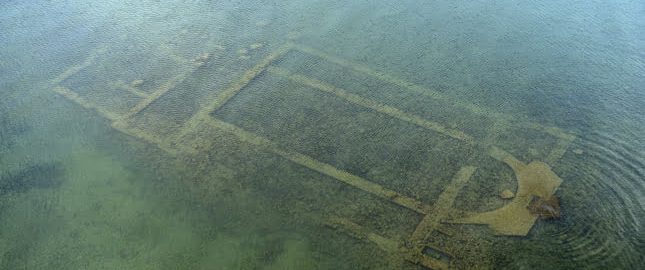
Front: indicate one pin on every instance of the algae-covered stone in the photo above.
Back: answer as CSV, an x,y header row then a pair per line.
x,y
136,83
256,46
545,208
506,194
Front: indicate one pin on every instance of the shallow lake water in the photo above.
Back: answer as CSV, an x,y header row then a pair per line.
x,y
322,134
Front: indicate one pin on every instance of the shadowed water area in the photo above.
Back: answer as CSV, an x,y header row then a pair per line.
x,y
322,134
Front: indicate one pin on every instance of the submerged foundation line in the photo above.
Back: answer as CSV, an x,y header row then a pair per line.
x,y
559,150
324,168
131,89
162,90
76,98
115,119
370,104
563,139
391,246
76,68
246,78
427,91
442,206
234,88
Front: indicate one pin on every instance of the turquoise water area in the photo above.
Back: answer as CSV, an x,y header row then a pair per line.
x,y
322,134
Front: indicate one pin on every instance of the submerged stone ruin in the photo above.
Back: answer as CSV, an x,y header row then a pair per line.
x,y
412,150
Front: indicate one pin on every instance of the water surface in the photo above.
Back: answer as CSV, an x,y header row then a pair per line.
x,y
267,135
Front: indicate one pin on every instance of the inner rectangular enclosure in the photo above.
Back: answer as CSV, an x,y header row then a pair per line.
x,y
367,85
393,153
513,133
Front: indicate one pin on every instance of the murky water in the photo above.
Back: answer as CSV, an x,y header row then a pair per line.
x,y
322,135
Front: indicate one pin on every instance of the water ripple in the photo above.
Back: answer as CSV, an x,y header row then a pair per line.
x,y
603,200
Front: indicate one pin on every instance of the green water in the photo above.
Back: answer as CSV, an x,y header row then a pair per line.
x,y
239,135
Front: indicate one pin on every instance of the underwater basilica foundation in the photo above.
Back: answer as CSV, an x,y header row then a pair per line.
x,y
180,107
